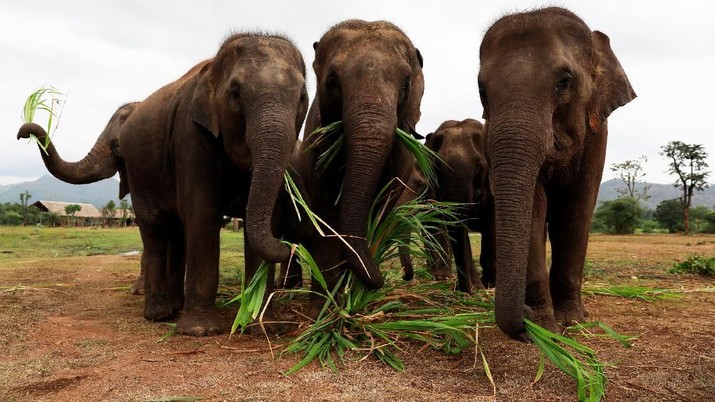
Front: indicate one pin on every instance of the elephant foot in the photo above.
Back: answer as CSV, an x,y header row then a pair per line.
x,y
476,282
570,311
159,308
267,326
488,279
290,282
137,286
544,316
195,323
441,273
408,272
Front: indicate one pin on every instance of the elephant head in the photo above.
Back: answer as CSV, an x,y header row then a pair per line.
x,y
369,75
101,162
547,84
462,172
252,97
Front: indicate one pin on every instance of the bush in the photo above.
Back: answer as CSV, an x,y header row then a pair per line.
x,y
669,214
649,226
620,216
695,264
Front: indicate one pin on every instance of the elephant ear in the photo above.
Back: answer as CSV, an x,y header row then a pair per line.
x,y
412,112
202,110
611,86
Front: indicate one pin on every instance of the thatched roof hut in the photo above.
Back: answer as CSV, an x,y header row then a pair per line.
x,y
58,207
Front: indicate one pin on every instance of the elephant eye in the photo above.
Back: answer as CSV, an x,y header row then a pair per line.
x,y
406,83
234,93
564,83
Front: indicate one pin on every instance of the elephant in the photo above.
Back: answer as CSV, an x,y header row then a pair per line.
x,y
222,132
463,177
369,76
547,84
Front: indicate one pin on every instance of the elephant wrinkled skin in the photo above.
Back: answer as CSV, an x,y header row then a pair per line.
x,y
223,131
547,84
369,76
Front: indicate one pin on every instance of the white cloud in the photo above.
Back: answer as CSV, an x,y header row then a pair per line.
x,y
109,53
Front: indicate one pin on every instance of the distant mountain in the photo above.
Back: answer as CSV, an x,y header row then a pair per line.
x,y
657,192
49,188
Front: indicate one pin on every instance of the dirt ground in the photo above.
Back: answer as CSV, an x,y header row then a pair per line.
x,y
70,332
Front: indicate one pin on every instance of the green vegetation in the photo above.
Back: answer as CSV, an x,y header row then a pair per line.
x,y
620,216
688,162
695,264
625,215
32,242
38,101
632,292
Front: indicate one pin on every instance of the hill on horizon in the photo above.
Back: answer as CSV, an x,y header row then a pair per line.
x,y
49,188
658,193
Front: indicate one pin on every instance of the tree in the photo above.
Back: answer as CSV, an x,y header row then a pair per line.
x,y
687,161
24,198
124,207
72,209
631,172
669,214
621,216
699,216
109,211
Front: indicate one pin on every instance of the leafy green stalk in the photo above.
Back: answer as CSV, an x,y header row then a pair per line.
x,y
38,101
576,360
633,292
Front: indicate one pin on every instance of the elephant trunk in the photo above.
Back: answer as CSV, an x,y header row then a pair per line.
x,y
368,140
517,150
271,138
100,163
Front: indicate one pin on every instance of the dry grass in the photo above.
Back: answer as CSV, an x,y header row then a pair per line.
x,y
67,335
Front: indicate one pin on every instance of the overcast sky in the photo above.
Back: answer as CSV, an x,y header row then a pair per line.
x,y
106,53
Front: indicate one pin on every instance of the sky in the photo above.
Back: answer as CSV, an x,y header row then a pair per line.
x,y
103,54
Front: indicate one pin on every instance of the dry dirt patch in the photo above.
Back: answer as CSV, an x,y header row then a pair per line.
x,y
71,332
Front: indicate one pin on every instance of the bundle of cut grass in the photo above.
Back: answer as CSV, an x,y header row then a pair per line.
x,y
378,323
53,106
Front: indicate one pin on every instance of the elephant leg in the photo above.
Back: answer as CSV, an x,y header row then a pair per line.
x,y
200,317
137,287
176,266
329,257
408,271
568,231
157,302
463,259
537,280
440,265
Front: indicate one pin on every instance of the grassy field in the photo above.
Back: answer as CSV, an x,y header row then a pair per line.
x,y
71,331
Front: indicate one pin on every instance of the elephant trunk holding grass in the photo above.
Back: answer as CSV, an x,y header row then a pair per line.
x,y
101,162
547,85
369,76
223,131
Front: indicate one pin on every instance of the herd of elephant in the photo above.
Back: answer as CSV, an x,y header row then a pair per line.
x,y
218,141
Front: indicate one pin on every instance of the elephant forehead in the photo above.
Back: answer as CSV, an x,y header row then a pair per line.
x,y
258,73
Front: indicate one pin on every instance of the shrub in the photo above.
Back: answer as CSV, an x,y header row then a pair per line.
x,y
621,215
695,264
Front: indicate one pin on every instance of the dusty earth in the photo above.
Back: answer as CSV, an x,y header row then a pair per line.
x,y
70,332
